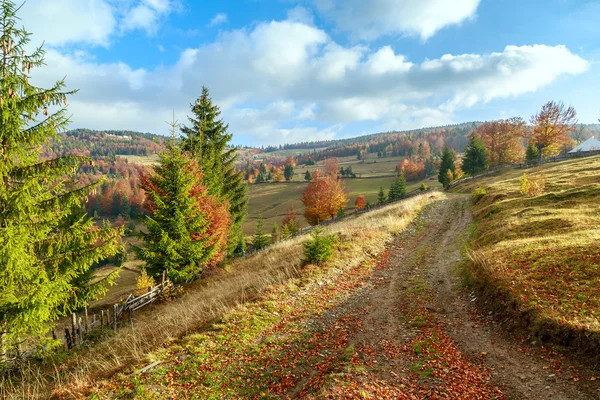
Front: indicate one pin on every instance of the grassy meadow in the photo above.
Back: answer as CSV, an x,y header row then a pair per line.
x,y
541,254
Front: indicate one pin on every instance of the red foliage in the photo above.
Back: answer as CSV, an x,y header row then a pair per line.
x,y
413,170
360,202
323,198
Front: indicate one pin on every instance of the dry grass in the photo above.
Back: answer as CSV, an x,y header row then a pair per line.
x,y
362,237
541,255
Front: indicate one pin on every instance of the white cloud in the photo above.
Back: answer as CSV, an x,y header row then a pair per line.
x,y
289,81
218,19
369,20
91,22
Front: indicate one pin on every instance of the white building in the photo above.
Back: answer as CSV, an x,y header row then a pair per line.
x,y
591,144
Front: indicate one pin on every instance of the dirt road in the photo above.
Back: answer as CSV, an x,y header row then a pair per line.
x,y
421,338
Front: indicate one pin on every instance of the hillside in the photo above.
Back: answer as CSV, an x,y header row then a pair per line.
x,y
537,258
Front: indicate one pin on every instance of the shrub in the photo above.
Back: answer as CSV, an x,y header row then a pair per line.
x,y
423,187
478,193
533,185
143,282
319,248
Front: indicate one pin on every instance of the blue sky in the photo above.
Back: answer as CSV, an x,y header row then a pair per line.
x,y
288,71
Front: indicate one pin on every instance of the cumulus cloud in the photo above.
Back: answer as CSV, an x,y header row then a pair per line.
x,y
368,20
290,81
218,19
91,22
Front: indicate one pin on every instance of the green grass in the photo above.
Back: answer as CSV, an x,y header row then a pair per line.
x,y
542,253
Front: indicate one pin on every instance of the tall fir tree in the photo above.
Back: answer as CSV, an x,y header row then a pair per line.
x,y
307,176
447,165
48,243
187,229
398,188
475,160
206,139
532,154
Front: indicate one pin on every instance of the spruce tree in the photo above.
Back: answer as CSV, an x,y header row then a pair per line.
x,y
381,196
307,176
448,159
398,188
475,160
288,172
206,139
187,228
47,242
260,240
532,154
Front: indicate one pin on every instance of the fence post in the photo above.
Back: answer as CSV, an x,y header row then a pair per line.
x,y
101,319
86,326
80,332
163,277
116,314
3,346
68,338
74,329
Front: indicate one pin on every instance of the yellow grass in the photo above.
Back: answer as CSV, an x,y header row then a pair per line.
x,y
361,237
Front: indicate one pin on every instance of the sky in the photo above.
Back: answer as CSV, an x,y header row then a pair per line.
x,y
287,71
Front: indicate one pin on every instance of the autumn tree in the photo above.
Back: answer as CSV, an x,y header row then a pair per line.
x,y
331,167
551,127
503,140
187,228
475,159
447,167
323,198
206,139
360,202
47,242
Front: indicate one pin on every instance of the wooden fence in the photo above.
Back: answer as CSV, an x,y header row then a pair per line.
x,y
110,318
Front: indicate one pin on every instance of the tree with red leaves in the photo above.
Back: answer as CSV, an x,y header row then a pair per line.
x,y
503,140
187,228
360,202
551,127
332,167
323,198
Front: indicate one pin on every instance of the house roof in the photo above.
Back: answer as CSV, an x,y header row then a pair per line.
x,y
589,145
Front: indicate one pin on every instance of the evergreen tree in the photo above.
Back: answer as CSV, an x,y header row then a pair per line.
x,y
307,176
381,196
430,169
260,239
47,242
398,188
206,139
275,234
532,154
448,159
187,228
288,172
476,159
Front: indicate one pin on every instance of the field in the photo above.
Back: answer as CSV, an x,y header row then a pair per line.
x,y
541,254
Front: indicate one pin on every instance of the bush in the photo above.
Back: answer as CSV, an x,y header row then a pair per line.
x,y
423,187
478,193
533,185
319,248
143,282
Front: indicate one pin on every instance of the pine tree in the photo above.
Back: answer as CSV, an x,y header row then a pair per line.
x,y
187,228
48,243
448,159
430,169
532,154
307,176
381,196
206,139
275,234
398,188
260,240
476,158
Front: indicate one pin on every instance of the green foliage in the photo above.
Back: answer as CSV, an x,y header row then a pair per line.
x,y
478,193
206,139
448,158
307,176
430,168
288,172
319,248
475,160
381,196
398,188
175,236
423,187
341,212
47,242
532,154
260,240
275,234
